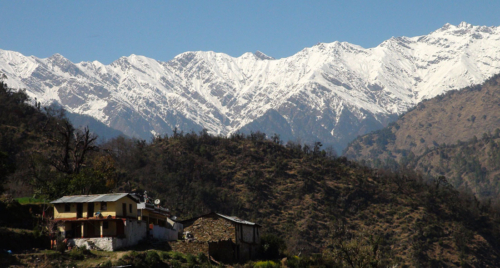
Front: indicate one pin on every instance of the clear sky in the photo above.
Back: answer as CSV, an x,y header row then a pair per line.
x,y
107,30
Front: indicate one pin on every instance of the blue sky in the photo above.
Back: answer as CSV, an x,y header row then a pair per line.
x,y
107,30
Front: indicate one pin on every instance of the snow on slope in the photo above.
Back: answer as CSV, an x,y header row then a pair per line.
x,y
329,92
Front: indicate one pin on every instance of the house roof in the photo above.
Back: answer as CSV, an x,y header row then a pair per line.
x,y
93,198
236,219
229,218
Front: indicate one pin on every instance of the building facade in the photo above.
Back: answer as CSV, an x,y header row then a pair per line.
x,y
104,221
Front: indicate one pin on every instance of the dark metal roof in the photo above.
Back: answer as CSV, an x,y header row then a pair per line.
x,y
229,218
93,198
236,219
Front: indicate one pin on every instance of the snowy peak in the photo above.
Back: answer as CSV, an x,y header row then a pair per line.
x,y
464,24
263,56
329,92
465,28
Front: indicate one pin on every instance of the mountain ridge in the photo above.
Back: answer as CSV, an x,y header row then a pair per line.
x,y
338,90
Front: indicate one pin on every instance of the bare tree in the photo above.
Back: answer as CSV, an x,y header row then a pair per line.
x,y
75,145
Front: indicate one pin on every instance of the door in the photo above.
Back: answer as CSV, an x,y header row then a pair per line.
x,y
77,229
91,229
120,228
79,210
90,210
124,209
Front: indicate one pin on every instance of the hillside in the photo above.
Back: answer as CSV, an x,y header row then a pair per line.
x,y
316,202
471,166
439,132
335,91
42,153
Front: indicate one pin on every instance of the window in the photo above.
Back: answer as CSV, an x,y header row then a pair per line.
x,y
67,207
130,208
104,206
105,225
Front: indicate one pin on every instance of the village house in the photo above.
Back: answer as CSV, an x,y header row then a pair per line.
x,y
104,221
117,220
112,221
224,238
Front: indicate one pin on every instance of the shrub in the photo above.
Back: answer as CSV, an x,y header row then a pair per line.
x,y
165,255
107,264
191,260
177,256
152,258
76,254
297,262
271,246
53,255
136,260
175,264
202,258
37,232
266,264
132,254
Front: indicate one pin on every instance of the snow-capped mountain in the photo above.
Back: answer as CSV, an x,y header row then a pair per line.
x,y
329,92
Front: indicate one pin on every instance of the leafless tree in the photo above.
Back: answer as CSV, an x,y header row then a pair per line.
x,y
75,145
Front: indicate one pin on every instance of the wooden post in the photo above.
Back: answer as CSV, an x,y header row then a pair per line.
x,y
83,229
102,228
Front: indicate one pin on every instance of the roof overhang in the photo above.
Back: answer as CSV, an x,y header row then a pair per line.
x,y
94,198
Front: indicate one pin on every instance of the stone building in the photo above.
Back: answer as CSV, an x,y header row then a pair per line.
x,y
225,238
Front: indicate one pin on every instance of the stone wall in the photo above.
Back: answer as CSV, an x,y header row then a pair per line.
x,y
135,231
103,243
211,228
224,251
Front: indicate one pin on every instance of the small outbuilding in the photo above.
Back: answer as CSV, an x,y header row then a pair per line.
x,y
225,238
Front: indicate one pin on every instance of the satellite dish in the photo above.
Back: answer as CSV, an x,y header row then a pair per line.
x,y
157,201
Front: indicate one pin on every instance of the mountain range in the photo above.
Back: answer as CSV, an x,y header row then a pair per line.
x,y
331,92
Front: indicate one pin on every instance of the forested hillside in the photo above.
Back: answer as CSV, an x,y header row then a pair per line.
x,y
314,201
472,166
453,135
43,154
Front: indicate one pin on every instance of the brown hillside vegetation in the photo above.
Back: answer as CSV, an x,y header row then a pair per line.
x,y
471,166
318,203
447,120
